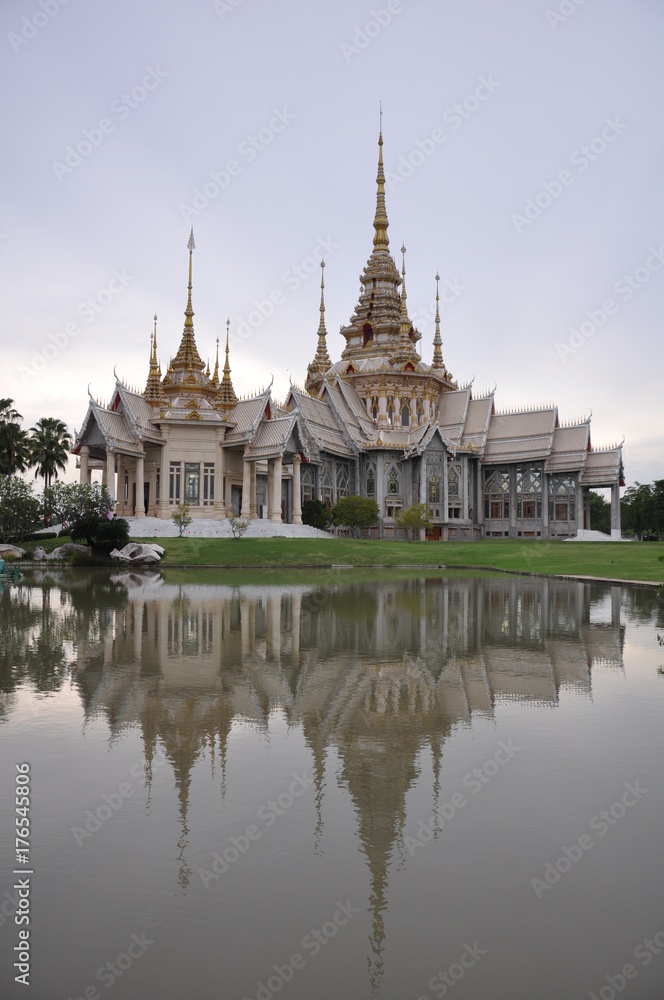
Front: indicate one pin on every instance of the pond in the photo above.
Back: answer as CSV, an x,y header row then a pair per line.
x,y
401,787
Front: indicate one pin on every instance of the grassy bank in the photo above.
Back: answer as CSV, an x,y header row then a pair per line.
x,y
626,561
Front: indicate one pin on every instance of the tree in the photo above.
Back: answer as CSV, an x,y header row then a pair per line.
x,y
600,513
181,517
238,527
14,441
414,519
20,512
101,533
50,445
68,502
316,514
356,513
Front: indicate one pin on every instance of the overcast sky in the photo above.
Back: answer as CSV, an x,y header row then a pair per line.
x,y
523,151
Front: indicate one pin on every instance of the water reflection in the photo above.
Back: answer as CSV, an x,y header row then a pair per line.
x,y
378,672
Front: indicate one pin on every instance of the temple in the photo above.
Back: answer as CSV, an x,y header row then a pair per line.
x,y
380,423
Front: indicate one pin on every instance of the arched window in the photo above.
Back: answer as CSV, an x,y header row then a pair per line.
x,y
562,498
405,415
420,411
390,409
528,493
393,482
434,488
497,494
367,334
374,407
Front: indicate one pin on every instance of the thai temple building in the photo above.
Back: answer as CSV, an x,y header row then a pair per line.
x,y
380,422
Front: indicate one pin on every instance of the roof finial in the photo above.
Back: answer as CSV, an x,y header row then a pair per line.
x,y
226,395
437,362
215,375
381,223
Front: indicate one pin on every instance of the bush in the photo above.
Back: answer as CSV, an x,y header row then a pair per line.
x,y
181,517
112,534
356,513
316,514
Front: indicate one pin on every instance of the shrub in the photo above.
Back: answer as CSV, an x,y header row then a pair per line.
x,y
316,514
355,513
181,517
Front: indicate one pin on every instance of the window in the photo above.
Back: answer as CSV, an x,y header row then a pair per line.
x,y
208,484
420,411
562,498
374,407
454,491
390,409
367,334
192,474
528,493
434,488
371,481
343,481
308,482
326,490
497,494
405,415
174,485
393,482
392,509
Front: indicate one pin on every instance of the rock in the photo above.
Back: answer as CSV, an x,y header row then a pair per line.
x,y
137,553
39,553
11,552
68,549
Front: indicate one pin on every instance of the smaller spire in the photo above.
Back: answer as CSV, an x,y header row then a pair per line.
x,y
215,374
322,361
226,396
154,391
381,223
437,362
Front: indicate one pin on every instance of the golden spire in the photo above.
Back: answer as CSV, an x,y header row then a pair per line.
x,y
154,391
405,322
226,397
405,348
380,240
215,374
437,363
187,360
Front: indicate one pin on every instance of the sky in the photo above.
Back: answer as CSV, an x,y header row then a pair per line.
x,y
523,149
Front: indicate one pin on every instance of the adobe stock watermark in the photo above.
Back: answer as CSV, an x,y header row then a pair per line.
x,y
580,159
601,824
445,980
455,116
32,24
474,781
247,151
266,816
450,290
111,804
363,35
223,7
88,310
293,278
645,952
121,108
563,12
117,967
312,943
625,288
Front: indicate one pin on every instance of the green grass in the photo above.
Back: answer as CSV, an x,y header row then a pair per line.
x,y
624,561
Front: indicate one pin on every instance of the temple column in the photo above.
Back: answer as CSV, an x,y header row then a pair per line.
x,y
270,487
275,515
297,495
219,473
585,493
615,511
253,510
446,490
85,468
465,486
245,512
110,472
545,505
139,510
120,509
423,489
164,476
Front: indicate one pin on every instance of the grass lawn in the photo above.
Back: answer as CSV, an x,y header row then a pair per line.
x,y
624,561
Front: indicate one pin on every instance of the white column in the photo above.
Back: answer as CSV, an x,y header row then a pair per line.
x,y
275,516
164,475
297,496
85,469
246,489
253,512
120,508
140,486
615,511
219,473
110,472
464,485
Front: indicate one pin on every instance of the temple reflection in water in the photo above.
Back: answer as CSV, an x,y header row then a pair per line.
x,y
377,671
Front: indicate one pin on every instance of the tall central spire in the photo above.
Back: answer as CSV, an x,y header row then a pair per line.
x,y
381,223
187,358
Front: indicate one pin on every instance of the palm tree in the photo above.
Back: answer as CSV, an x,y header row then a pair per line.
x,y
50,445
14,441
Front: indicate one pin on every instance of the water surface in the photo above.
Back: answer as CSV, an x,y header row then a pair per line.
x,y
403,788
